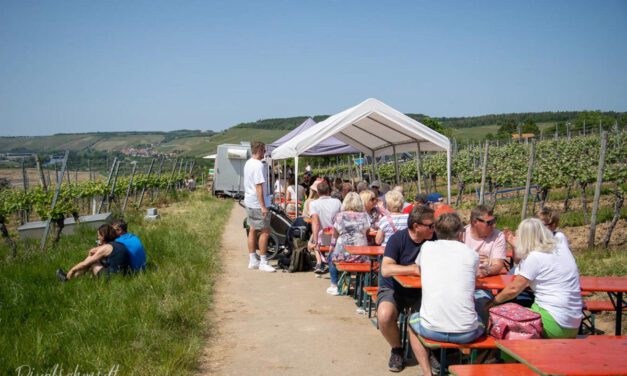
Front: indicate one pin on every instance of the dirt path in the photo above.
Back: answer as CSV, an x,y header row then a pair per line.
x,y
285,324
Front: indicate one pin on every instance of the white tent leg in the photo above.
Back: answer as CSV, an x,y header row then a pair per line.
x,y
396,164
372,175
418,166
296,183
448,172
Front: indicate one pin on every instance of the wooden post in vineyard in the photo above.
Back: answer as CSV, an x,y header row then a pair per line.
x,y
159,172
167,189
141,196
108,182
89,167
484,171
42,244
532,156
597,190
25,184
40,172
130,184
115,181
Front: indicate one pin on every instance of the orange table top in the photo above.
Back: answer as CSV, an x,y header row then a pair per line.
x,y
603,284
365,250
511,369
498,282
593,355
409,281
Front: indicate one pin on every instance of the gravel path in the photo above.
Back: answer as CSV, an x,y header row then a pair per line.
x,y
285,324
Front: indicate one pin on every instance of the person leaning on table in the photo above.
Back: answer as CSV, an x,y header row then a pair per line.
x,y
399,258
447,313
549,268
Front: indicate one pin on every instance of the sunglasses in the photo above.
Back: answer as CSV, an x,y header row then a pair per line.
x,y
491,222
431,226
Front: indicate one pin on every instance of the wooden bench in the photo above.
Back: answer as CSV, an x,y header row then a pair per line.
x,y
359,269
371,292
594,307
511,369
485,342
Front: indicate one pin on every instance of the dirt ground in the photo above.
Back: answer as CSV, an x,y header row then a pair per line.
x,y
282,323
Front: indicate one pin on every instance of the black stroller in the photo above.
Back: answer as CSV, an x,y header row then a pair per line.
x,y
280,223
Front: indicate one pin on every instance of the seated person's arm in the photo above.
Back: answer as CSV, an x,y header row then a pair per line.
x,y
378,239
496,266
518,285
315,229
389,268
100,252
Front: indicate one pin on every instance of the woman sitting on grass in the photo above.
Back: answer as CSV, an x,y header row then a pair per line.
x,y
108,257
350,227
549,268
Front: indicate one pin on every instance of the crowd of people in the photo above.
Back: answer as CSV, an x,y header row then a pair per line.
x,y
427,237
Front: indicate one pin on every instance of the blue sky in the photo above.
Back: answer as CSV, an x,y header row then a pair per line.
x,y
79,66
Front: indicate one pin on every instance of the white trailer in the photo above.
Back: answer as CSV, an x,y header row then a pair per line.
x,y
229,169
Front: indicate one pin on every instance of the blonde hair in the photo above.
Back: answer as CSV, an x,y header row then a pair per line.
x,y
394,201
532,235
366,195
352,202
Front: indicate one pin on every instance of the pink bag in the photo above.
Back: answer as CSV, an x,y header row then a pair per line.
x,y
511,321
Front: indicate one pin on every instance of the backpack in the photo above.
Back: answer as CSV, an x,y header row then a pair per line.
x,y
300,259
511,321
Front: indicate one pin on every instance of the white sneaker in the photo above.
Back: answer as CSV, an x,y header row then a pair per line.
x,y
253,264
333,291
265,267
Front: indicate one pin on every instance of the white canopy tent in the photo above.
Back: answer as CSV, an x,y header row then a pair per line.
x,y
375,129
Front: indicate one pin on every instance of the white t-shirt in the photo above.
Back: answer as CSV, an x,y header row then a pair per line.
x,y
279,185
560,237
555,281
448,269
326,207
292,193
255,173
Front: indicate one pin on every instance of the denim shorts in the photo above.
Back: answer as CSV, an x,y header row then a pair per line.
x,y
256,219
466,337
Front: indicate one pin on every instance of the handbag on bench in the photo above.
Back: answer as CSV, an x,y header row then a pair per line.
x,y
512,321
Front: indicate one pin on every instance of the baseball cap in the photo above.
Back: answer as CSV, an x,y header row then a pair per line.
x,y
435,197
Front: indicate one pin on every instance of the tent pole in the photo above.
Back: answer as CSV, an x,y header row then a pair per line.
x,y
396,164
284,190
448,171
372,175
418,165
296,182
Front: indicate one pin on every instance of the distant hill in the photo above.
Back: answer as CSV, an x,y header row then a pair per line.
x,y
196,143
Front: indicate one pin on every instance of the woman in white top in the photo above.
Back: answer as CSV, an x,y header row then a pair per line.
x,y
293,198
549,268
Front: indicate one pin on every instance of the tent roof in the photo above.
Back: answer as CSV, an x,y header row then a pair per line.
x,y
370,127
330,146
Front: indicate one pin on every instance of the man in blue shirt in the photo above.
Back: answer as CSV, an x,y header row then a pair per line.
x,y
132,243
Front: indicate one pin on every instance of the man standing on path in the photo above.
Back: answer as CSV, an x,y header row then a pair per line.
x,y
399,258
256,201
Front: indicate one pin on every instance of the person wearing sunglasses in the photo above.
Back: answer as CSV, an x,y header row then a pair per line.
x,y
399,258
483,236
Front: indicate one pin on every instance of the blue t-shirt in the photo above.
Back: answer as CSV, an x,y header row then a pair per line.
x,y
135,249
402,249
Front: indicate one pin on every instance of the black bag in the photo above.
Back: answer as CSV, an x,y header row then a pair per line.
x,y
300,260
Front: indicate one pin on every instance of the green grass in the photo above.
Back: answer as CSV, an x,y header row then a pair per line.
x,y
201,146
151,323
601,263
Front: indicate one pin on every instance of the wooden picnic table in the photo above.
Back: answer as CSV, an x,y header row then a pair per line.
x,y
510,369
613,286
590,356
372,251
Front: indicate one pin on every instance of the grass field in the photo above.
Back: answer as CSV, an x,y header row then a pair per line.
x,y
479,133
201,146
148,324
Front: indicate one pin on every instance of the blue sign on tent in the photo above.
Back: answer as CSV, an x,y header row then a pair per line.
x,y
359,161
